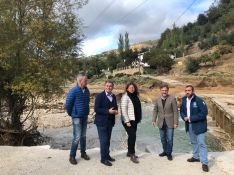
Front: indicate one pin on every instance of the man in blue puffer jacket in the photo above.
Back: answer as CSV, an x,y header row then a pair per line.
x,y
77,106
194,112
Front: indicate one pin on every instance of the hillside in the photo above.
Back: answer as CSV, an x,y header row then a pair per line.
x,y
144,44
220,75
138,46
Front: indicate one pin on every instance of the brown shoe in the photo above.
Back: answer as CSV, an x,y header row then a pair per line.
x,y
73,161
205,168
193,160
134,159
129,155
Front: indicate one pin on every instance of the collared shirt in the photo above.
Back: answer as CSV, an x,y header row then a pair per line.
x,y
188,103
83,89
109,96
164,98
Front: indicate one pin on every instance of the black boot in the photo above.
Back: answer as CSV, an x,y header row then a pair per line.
x,y
162,154
85,156
73,161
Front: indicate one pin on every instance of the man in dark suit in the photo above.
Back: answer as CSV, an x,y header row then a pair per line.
x,y
106,108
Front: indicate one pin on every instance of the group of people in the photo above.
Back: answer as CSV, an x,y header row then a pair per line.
x,y
193,111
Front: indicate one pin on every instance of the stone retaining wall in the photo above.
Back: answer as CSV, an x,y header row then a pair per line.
x,y
222,118
128,70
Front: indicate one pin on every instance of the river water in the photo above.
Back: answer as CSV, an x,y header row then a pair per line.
x,y
148,138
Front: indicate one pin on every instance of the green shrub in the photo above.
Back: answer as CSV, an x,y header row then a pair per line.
x,y
208,43
192,65
230,38
214,57
148,70
204,59
110,76
137,73
120,75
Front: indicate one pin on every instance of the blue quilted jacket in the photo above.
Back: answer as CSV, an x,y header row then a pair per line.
x,y
77,102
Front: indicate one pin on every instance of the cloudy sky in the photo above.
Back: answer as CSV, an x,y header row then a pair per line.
x,y
144,20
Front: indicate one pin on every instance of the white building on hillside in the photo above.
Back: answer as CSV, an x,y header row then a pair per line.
x,y
140,60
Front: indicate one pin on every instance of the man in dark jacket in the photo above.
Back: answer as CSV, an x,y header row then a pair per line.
x,y
194,112
77,106
106,108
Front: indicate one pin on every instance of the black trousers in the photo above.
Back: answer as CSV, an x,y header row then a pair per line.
x,y
131,131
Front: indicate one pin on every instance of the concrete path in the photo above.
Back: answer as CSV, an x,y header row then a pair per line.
x,y
45,161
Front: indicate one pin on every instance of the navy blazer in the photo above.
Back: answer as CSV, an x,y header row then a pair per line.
x,y
101,108
198,113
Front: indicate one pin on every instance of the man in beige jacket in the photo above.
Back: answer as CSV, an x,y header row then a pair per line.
x,y
166,114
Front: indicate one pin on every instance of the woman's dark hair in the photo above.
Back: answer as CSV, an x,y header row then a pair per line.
x,y
135,87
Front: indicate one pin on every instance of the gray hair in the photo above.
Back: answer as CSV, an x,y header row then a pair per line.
x,y
79,76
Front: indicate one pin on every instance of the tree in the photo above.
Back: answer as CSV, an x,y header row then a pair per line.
x,y
112,60
159,60
213,14
202,19
126,55
95,65
126,42
130,56
121,46
162,43
37,37
225,1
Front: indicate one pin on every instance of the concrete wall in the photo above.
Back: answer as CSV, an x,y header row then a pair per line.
x,y
128,70
222,118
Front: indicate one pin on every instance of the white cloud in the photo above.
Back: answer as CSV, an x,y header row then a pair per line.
x,y
145,23
97,45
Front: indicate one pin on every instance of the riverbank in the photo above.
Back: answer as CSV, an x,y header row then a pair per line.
x,y
60,138
41,160
56,124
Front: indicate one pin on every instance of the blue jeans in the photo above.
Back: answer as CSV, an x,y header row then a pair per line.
x,y
198,145
79,135
166,135
104,133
